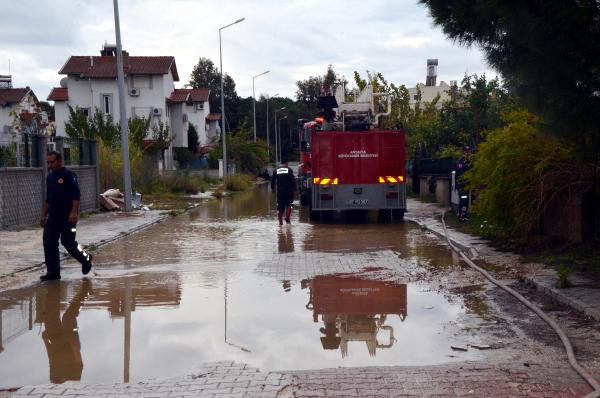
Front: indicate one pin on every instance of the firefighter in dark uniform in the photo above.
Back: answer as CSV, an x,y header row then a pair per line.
x,y
285,181
60,214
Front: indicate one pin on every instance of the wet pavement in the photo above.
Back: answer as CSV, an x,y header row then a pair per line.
x,y
225,283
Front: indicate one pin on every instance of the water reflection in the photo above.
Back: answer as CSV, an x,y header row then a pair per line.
x,y
61,336
354,309
285,239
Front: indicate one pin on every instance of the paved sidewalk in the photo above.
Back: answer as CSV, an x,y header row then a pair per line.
x,y
216,379
583,296
230,379
22,250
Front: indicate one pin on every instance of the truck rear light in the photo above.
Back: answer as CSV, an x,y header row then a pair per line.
x,y
383,180
326,196
325,181
391,195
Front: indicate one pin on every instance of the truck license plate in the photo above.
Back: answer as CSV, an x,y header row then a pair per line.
x,y
357,202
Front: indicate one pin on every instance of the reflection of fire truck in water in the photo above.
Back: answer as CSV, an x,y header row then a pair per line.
x,y
354,309
347,161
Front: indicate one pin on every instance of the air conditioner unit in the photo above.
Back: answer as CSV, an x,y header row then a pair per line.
x,y
199,106
156,112
185,117
134,92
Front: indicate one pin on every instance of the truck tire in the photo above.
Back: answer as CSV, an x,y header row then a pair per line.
x,y
384,215
312,215
303,198
398,214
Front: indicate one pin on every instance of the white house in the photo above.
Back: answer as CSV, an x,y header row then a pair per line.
x,y
423,93
14,101
91,83
427,92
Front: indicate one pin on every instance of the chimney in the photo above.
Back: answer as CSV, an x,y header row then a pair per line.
x,y
431,72
125,58
6,81
108,50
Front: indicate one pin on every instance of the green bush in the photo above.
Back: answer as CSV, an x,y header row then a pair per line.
x,y
518,171
184,158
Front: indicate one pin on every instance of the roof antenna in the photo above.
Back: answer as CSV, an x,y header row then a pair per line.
x,y
9,66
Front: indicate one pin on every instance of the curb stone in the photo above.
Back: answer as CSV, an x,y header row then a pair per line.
x,y
542,284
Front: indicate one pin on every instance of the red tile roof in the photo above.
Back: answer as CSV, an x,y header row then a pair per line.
x,y
213,117
106,66
189,95
59,94
12,95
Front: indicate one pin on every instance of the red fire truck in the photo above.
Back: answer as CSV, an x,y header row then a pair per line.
x,y
348,162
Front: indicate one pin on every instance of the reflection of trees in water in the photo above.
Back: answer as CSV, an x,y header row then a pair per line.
x,y
255,202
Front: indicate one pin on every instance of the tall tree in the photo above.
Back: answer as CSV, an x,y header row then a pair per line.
x,y
547,51
206,75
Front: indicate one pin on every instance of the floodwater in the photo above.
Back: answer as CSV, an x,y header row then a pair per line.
x,y
225,282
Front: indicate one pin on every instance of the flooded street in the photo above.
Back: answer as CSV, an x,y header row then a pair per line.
x,y
225,282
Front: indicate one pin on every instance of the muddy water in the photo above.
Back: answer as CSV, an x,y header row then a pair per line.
x,y
224,282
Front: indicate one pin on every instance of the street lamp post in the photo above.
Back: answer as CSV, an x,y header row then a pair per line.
x,y
279,137
276,136
268,144
223,133
254,101
122,116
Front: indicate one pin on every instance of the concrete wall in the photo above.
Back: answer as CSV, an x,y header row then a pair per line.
x,y
22,194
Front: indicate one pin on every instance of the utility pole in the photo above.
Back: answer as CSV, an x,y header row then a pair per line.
x,y
122,115
223,130
254,101
268,144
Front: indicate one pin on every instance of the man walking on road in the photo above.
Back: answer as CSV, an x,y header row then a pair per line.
x,y
60,214
285,181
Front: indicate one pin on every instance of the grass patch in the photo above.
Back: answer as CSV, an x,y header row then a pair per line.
x,y
178,183
238,182
427,198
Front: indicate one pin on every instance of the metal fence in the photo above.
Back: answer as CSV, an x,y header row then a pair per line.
x,y
22,187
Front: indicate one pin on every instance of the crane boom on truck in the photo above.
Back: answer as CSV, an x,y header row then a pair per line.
x,y
347,161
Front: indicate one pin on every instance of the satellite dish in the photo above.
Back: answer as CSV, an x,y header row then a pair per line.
x,y
63,82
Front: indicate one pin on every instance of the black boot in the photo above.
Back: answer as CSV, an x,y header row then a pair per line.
x,y
49,277
87,266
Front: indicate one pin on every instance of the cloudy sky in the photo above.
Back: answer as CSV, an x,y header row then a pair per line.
x,y
292,38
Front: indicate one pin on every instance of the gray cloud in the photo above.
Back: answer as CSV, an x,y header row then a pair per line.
x,y
292,38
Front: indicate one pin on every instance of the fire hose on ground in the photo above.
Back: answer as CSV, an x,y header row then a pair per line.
x,y
563,337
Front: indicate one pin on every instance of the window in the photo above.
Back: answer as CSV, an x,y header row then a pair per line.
x,y
417,97
107,104
85,111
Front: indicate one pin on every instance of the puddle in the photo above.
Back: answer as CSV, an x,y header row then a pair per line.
x,y
224,282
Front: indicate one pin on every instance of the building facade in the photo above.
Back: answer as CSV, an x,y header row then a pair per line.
x,y
427,92
14,102
90,84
